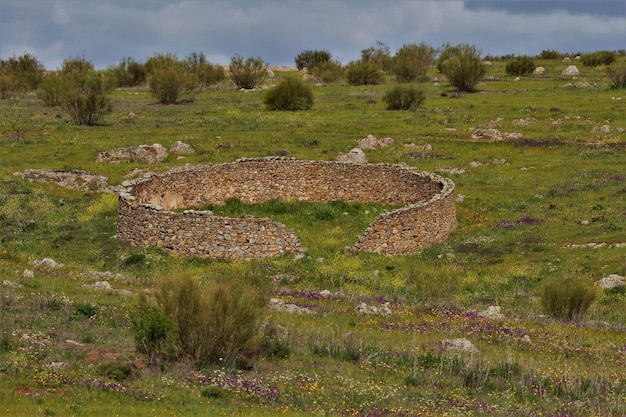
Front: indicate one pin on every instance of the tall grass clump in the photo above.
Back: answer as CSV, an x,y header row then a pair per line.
x,y
522,65
249,73
292,93
567,299
215,324
404,97
617,75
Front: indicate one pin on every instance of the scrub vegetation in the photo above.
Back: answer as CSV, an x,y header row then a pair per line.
x,y
503,319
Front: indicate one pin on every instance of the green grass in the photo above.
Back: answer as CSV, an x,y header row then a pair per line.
x,y
524,202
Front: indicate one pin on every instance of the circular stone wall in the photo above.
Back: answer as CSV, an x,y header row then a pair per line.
x,y
147,213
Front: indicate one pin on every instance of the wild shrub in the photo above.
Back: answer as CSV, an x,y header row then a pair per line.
x,y
52,88
168,78
617,75
76,65
522,65
204,73
249,73
549,54
462,66
118,371
216,324
128,73
411,62
23,73
567,299
363,73
328,72
404,97
86,96
597,58
310,58
154,332
378,55
292,93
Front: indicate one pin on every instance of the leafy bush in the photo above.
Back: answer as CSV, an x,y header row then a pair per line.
x,y
128,73
153,330
594,59
52,88
22,73
549,54
203,71
249,73
404,97
379,56
310,58
522,65
462,66
328,72
217,324
86,96
292,93
617,75
567,299
363,73
412,62
168,78
74,65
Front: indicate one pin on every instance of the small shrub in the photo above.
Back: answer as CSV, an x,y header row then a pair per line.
x,y
549,54
567,299
128,73
86,309
52,89
292,93
152,330
617,75
168,78
249,73
310,58
204,72
594,59
217,324
328,72
404,97
412,62
86,96
212,392
520,66
378,55
462,66
118,371
363,73
18,74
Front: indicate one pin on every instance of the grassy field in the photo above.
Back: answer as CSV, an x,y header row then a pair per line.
x,y
528,208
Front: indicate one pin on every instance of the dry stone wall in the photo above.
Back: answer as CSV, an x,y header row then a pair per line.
x,y
148,207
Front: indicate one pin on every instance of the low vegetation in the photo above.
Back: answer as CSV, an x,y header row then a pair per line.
x,y
505,318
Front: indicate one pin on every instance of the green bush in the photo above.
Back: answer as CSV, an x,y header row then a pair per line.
x,y
549,54
412,62
216,324
363,73
328,72
168,78
204,73
617,75
404,97
292,93
17,74
154,332
567,299
249,73
128,73
308,59
462,66
522,65
86,96
378,55
594,59
52,89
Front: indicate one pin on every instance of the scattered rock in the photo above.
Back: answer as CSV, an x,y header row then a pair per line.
x,y
105,286
595,245
73,179
28,273
539,71
383,310
571,70
181,148
73,343
526,339
492,312
356,155
452,171
611,281
601,129
46,264
142,153
279,305
459,345
370,142
525,122
11,284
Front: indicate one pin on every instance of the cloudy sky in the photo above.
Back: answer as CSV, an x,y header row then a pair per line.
x,y
105,31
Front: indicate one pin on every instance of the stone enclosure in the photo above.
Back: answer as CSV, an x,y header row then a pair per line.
x,y
154,211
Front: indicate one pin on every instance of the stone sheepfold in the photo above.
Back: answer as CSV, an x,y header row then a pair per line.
x,y
150,208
